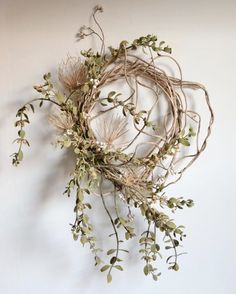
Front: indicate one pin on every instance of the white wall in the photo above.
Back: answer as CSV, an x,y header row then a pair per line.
x,y
37,253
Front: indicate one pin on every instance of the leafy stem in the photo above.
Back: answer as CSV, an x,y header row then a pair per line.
x,y
114,259
24,119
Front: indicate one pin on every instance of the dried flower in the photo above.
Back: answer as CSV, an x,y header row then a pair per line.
x,y
72,73
63,122
111,129
83,32
133,178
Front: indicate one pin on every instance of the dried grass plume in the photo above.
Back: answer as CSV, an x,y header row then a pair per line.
x,y
72,73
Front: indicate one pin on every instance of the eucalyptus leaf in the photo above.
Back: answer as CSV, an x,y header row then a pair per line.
x,y
109,278
104,268
20,155
111,251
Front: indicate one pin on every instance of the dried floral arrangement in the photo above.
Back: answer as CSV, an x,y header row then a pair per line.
x,y
121,150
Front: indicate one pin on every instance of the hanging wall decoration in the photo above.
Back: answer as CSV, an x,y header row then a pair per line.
x,y
134,131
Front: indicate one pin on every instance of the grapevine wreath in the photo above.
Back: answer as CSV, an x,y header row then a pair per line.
x,y
123,149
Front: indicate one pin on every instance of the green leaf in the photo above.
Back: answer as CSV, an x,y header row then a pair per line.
x,y
167,49
21,134
155,248
32,107
80,195
113,260
191,132
88,205
67,143
118,94
85,218
124,112
110,99
60,97
47,76
97,260
178,231
155,277
176,242
122,221
127,235
111,251
189,203
87,191
27,143
75,236
20,155
77,150
171,225
172,200
146,270
83,239
175,267
142,240
74,110
109,278
103,103
137,120
104,268
120,268
184,141
111,94
26,116
127,251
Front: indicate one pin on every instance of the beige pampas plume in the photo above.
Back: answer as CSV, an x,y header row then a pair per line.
x,y
72,73
63,121
110,129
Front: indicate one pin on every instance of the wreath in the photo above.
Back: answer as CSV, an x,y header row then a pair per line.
x,y
130,143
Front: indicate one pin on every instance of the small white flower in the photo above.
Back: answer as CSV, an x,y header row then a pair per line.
x,y
86,115
96,82
69,132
